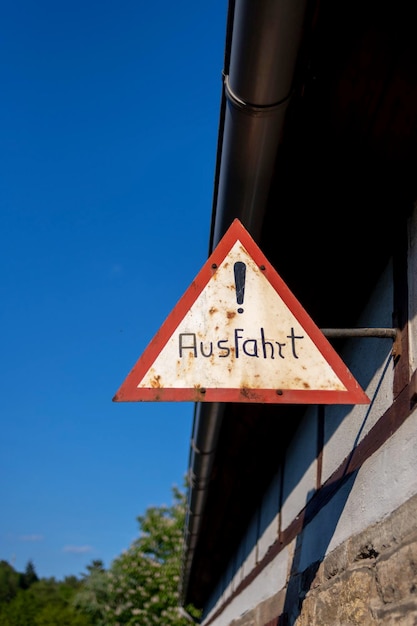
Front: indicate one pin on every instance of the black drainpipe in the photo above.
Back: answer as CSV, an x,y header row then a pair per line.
x,y
262,45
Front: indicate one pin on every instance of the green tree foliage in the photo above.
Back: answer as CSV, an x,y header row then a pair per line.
x,y
96,565
45,603
141,588
92,599
21,611
9,582
28,577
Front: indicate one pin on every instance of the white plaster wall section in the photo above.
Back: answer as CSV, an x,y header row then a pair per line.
x,y
367,356
227,583
271,580
216,605
220,595
246,554
223,590
251,545
299,479
233,575
412,288
230,578
214,602
317,538
269,520
241,564
241,556
385,481
346,426
238,560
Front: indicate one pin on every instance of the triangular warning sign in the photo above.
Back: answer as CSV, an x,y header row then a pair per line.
x,y
238,334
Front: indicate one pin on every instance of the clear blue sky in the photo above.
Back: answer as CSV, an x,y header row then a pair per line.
x,y
109,115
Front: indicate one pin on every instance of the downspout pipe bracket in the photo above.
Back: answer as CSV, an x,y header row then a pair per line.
x,y
249,107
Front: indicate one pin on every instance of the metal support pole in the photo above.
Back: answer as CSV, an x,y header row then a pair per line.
x,y
384,333
390,333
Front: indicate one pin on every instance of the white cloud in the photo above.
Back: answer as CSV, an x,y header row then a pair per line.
x,y
77,549
31,538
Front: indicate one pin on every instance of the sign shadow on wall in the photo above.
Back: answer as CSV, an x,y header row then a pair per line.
x,y
320,518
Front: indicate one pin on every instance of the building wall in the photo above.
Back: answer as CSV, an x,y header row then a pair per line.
x,y
335,540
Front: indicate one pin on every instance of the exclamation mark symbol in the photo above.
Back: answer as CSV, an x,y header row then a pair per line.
x,y
240,277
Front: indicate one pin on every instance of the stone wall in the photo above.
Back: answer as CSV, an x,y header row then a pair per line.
x,y
369,580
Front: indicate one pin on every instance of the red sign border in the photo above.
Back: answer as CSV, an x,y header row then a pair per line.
x,y
129,391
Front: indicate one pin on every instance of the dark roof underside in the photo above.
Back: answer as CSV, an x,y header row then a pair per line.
x,y
344,181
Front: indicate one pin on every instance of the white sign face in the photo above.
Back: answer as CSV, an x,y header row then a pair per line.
x,y
239,335
262,346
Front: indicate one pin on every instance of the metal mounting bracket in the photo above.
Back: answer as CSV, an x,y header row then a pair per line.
x,y
383,333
